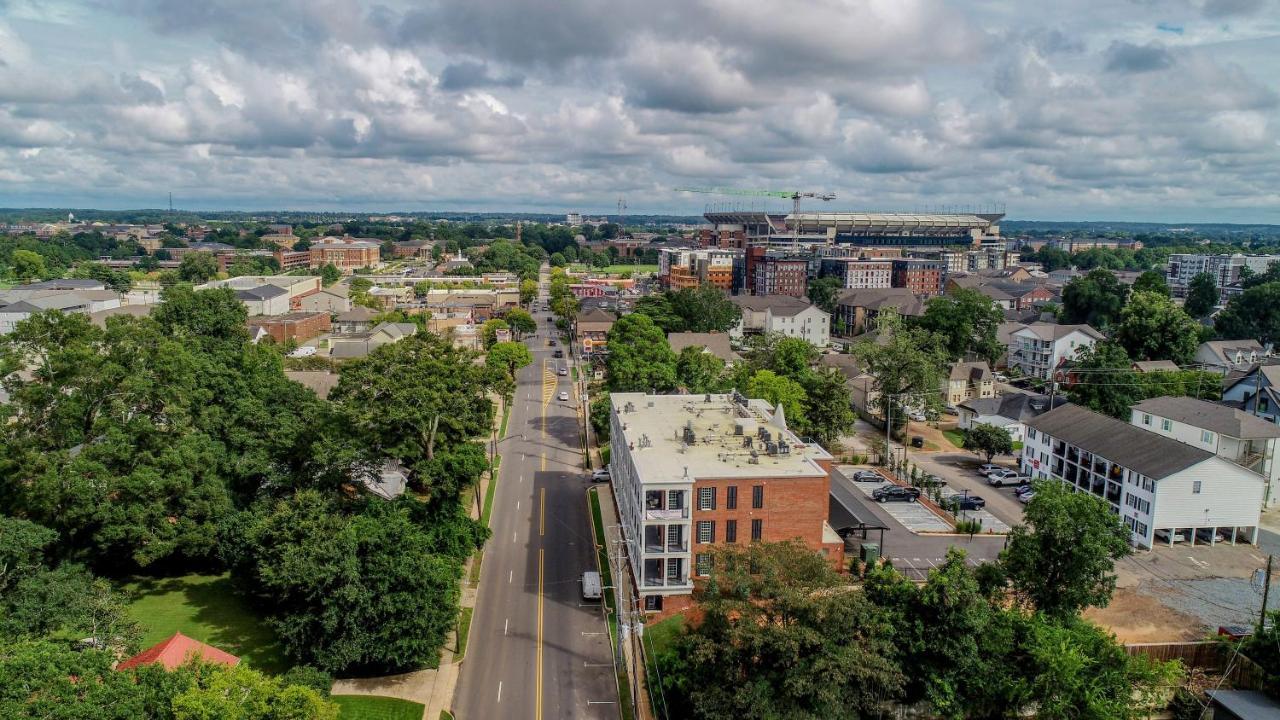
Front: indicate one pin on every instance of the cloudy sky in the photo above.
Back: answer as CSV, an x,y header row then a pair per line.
x,y
1159,110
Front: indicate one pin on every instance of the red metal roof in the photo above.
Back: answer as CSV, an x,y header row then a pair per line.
x,y
177,650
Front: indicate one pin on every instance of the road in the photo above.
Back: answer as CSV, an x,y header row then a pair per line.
x,y
536,649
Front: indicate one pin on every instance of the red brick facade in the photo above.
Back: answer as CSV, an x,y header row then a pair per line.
x,y
294,326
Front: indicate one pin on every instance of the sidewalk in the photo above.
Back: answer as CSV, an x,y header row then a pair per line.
x,y
633,657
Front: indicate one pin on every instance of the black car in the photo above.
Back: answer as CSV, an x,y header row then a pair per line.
x,y
966,502
895,493
867,476
558,354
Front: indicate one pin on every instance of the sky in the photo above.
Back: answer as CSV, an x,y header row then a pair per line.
x,y
1143,110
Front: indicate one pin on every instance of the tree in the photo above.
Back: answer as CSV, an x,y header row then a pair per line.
x,y
330,274
640,358
1202,295
1062,559
988,440
239,693
1152,327
824,292
787,356
1253,314
117,280
659,309
777,638
1095,299
489,331
705,309
827,409
557,260
779,390
509,357
28,265
197,267
1151,281
521,322
1107,382
600,410
909,364
699,371
967,321
528,291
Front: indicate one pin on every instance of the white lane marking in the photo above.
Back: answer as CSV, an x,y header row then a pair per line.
x,y
592,633
517,504
510,576
587,664
513,536
499,691
504,625
601,702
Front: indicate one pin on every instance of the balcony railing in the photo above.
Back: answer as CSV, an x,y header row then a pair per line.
x,y
678,514
650,581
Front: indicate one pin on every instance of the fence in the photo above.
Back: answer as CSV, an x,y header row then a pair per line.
x,y
1210,655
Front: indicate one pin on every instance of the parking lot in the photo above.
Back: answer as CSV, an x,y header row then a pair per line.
x,y
958,470
911,515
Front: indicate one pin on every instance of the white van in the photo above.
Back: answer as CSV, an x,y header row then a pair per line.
x,y
591,585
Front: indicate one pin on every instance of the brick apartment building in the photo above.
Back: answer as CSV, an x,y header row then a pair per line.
x,y
346,253
855,274
298,326
922,277
771,275
293,259
694,471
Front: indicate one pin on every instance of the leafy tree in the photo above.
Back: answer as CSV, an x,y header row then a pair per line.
x,y
909,364
600,409
240,693
521,322
1062,560
775,640
1253,314
557,260
1202,295
1151,281
640,358
1152,327
988,440
699,371
780,390
967,321
1095,299
705,309
198,267
659,309
117,280
528,290
508,357
28,265
1107,383
330,274
824,292
489,331
787,356
827,408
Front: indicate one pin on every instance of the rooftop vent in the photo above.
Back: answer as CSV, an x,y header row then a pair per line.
x,y
771,448
629,407
688,436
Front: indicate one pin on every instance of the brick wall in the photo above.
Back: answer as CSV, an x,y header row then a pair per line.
x,y
793,508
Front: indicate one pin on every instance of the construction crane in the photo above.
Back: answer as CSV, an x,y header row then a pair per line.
x,y
793,195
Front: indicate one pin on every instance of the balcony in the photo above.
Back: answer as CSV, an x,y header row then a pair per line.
x,y
676,514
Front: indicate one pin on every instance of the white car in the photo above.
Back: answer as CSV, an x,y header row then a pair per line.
x,y
1000,478
987,469
563,395
1000,377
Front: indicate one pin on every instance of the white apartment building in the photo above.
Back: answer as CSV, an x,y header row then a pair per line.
x,y
790,316
1036,349
1227,432
1154,482
1225,269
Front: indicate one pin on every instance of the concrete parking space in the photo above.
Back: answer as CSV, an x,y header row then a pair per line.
x,y
990,523
958,470
911,515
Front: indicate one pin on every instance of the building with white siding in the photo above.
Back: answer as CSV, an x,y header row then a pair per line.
x,y
1036,350
1154,482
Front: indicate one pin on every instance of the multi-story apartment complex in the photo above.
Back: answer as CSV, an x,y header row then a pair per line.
x,y
854,273
922,277
691,472
346,253
1225,269
783,314
1036,349
770,275
1166,490
687,267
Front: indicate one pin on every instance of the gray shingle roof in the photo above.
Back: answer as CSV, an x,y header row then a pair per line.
x,y
715,343
1152,455
262,292
1206,415
1052,331
782,305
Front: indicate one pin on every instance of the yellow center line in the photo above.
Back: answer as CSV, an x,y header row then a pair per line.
x,y
542,514
537,709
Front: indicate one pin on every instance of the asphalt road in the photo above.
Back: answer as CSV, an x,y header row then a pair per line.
x,y
536,649
912,554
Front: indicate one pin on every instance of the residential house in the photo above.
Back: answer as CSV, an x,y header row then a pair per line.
x,y
1153,482
358,319
1037,349
857,310
177,650
345,347
99,318
265,300
789,316
863,396
1225,356
333,300
1146,366
320,382
1008,295
1010,411
591,332
1225,431
1257,392
715,343
968,380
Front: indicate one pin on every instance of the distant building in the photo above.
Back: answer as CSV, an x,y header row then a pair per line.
x,y
774,275
591,332
857,310
292,327
922,277
345,253
1226,356
854,273
1225,269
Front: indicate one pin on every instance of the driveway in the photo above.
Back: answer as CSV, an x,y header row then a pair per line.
x,y
958,470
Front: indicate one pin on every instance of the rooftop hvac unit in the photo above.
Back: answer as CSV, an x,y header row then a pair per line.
x,y
688,436
744,426
771,448
746,441
707,398
783,448
629,408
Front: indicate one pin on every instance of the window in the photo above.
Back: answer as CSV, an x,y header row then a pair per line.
x,y
731,531
706,498
675,500
757,530
653,603
1146,419
757,496
731,497
1031,433
1166,425
1264,405
673,570
702,564
1196,487
706,531
1206,436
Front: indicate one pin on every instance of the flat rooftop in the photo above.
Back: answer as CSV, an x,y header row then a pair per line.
x,y
654,428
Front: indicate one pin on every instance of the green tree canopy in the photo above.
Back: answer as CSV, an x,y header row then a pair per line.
x,y
967,321
521,322
1252,315
640,358
508,357
658,308
824,292
1095,299
1202,295
779,390
699,371
489,331
988,440
1107,382
28,265
1152,327
1151,281
909,364
705,308
198,267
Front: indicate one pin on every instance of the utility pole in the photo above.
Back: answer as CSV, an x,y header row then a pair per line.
x,y
1266,594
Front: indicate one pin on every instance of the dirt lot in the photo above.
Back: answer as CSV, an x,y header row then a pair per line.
x,y
1137,618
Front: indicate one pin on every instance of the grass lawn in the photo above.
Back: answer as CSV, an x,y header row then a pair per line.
x,y
657,638
956,437
633,269
205,608
374,707
464,630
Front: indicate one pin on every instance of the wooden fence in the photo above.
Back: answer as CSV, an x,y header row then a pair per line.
x,y
1209,655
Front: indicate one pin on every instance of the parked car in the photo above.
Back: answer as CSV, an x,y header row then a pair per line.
x,y
557,354
895,493
552,342
1208,536
917,441
917,416
988,468
1163,536
867,476
1025,497
1000,478
965,502
1000,377
563,395
601,475
1022,490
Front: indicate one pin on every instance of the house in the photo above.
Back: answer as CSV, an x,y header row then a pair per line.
x,y
1010,411
1256,391
358,319
1226,355
1146,366
863,396
783,314
1007,294
715,343
265,300
333,300
388,481
345,347
968,380
693,473
21,303
1225,431
1037,349
320,382
857,310
591,332
1155,483
292,327
177,650
99,318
